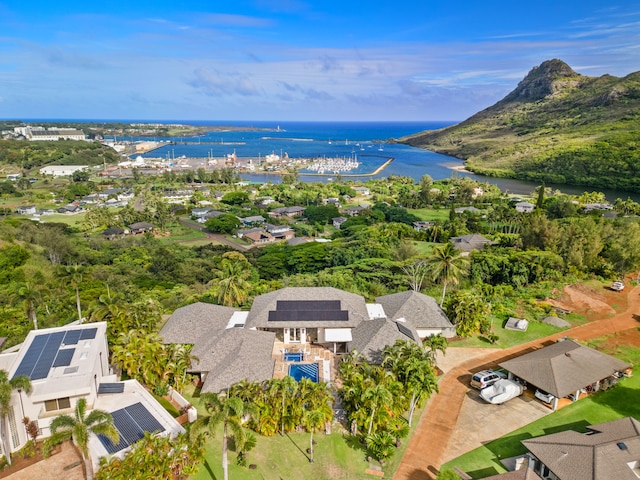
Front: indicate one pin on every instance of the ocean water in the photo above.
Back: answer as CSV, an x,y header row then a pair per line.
x,y
365,141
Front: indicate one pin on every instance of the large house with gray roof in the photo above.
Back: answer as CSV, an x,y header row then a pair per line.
x,y
607,451
422,311
323,315
232,345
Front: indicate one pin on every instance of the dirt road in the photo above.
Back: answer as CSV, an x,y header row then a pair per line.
x,y
427,447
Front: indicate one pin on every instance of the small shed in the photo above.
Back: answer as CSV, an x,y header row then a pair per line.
x,y
517,324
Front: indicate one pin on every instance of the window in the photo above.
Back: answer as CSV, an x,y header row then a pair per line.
x,y
57,404
13,428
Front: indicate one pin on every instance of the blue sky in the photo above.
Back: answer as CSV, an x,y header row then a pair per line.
x,y
295,59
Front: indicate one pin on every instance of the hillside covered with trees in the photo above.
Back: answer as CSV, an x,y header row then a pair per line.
x,y
557,126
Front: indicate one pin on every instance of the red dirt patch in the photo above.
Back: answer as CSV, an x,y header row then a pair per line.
x,y
585,301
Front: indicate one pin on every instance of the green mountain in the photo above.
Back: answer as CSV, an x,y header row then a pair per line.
x,y
557,126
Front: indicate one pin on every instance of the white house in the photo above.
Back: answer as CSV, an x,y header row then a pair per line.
x,y
525,207
66,364
61,170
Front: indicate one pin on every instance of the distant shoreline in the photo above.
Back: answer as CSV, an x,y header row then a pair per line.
x,y
460,168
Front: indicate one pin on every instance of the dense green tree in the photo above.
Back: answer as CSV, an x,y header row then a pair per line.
x,y
235,198
225,223
155,456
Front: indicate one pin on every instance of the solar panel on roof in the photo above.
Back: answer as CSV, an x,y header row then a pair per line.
x,y
308,310
110,388
63,359
143,418
131,422
31,356
308,305
88,333
405,331
71,337
48,355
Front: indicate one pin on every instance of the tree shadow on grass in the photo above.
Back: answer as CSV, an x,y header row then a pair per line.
x,y
208,469
296,445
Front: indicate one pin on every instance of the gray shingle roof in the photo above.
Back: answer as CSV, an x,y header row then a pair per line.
x,y
564,367
263,304
419,309
193,323
371,336
601,454
235,354
473,241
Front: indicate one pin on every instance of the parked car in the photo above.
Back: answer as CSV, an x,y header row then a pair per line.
x,y
486,378
544,396
617,286
501,391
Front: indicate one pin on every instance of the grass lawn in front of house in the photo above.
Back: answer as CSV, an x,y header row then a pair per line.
x,y
286,456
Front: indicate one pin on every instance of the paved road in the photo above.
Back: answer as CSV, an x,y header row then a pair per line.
x,y
427,449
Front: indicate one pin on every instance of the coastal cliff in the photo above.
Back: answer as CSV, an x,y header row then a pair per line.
x,y
556,126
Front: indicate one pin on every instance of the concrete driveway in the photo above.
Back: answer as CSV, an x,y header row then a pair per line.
x,y
481,422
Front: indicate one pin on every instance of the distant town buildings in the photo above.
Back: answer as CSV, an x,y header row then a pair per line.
x,y
49,134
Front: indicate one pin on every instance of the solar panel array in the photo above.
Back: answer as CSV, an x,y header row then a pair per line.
x,y
117,387
405,331
131,423
308,310
46,351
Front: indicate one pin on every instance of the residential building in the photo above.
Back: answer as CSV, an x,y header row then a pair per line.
x,y
525,207
234,345
566,369
62,170
422,226
26,210
606,451
66,364
467,243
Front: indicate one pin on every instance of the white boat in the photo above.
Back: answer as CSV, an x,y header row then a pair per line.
x,y
501,391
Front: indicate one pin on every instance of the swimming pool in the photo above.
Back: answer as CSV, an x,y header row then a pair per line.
x,y
293,357
305,370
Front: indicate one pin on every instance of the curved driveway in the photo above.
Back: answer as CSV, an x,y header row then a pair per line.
x,y
428,446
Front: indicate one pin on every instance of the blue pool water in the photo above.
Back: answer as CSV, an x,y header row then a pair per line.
x,y
301,370
293,357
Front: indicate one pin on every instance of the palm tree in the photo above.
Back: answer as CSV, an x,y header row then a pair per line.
x,y
228,411
20,382
376,395
447,265
284,387
313,421
79,428
75,274
433,343
232,279
29,292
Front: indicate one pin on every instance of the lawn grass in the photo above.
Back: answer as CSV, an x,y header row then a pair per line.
x,y
180,234
509,338
430,214
424,248
279,457
605,406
